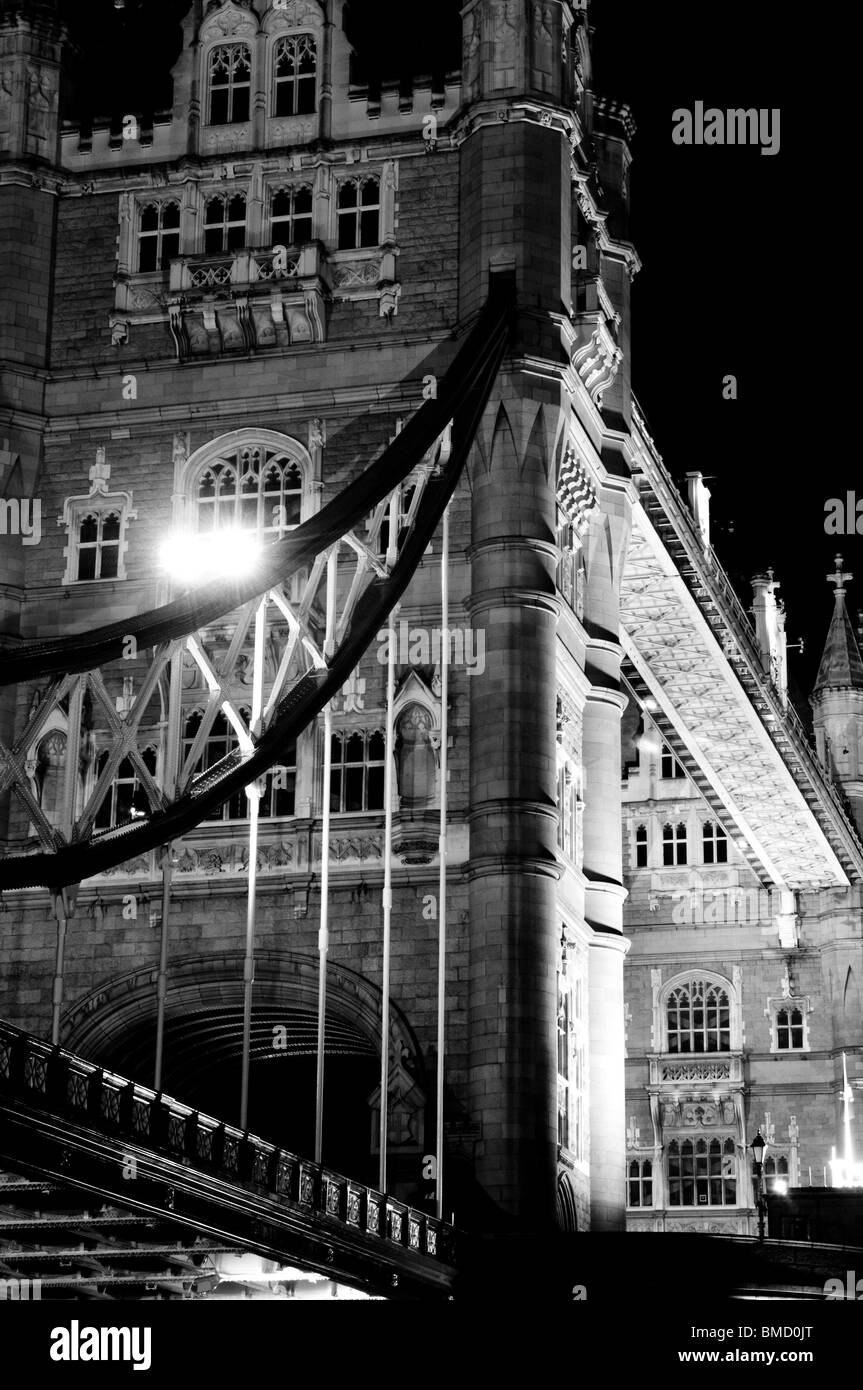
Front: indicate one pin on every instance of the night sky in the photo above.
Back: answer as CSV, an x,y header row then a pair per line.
x,y
735,276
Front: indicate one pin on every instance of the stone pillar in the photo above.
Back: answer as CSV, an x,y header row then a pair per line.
x,y
603,854
515,215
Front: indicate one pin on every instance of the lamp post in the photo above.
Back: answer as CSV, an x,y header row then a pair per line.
x,y
759,1144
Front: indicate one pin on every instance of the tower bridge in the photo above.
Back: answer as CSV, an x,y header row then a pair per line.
x,y
397,912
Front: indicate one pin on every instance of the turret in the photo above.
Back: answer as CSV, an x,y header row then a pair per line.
x,y
837,700
31,48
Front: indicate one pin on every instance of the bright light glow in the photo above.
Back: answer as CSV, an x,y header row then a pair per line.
x,y
780,1187
229,553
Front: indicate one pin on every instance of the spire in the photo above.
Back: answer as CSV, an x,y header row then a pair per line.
x,y
841,665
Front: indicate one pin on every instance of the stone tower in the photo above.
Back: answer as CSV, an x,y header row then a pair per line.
x,y
837,700
31,40
529,194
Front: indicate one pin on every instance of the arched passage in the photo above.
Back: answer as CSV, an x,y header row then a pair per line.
x,y
116,1026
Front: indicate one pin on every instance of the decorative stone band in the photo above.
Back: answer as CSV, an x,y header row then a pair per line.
x,y
576,495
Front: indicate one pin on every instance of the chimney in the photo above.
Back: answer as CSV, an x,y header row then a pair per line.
x,y
699,504
770,631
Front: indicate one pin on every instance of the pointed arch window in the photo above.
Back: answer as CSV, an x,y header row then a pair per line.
x,y
698,1017
219,742
702,1172
776,1173
674,844
641,847
295,75
99,534
253,488
639,1191
230,74
790,1029
357,776
714,843
124,798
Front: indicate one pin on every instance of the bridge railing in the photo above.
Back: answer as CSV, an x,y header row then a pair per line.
x,y
47,1078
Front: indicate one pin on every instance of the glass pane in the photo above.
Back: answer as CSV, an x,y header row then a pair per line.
x,y
213,240
355,749
347,195
110,562
218,104
170,248
241,104
369,229
148,254
89,531
87,564
303,201
111,527
150,219
214,211
171,215
376,788
354,789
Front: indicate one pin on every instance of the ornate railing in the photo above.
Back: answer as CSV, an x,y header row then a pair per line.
x,y
45,1078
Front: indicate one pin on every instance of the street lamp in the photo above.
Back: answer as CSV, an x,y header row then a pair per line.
x,y
759,1144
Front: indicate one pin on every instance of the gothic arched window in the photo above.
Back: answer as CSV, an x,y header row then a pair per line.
x,y
295,76
698,1017
253,488
640,1183
357,776
98,545
230,70
776,1173
50,775
123,799
219,742
715,843
641,847
702,1172
790,1030
674,844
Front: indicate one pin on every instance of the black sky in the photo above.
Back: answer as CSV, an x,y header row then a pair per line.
x,y
735,276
